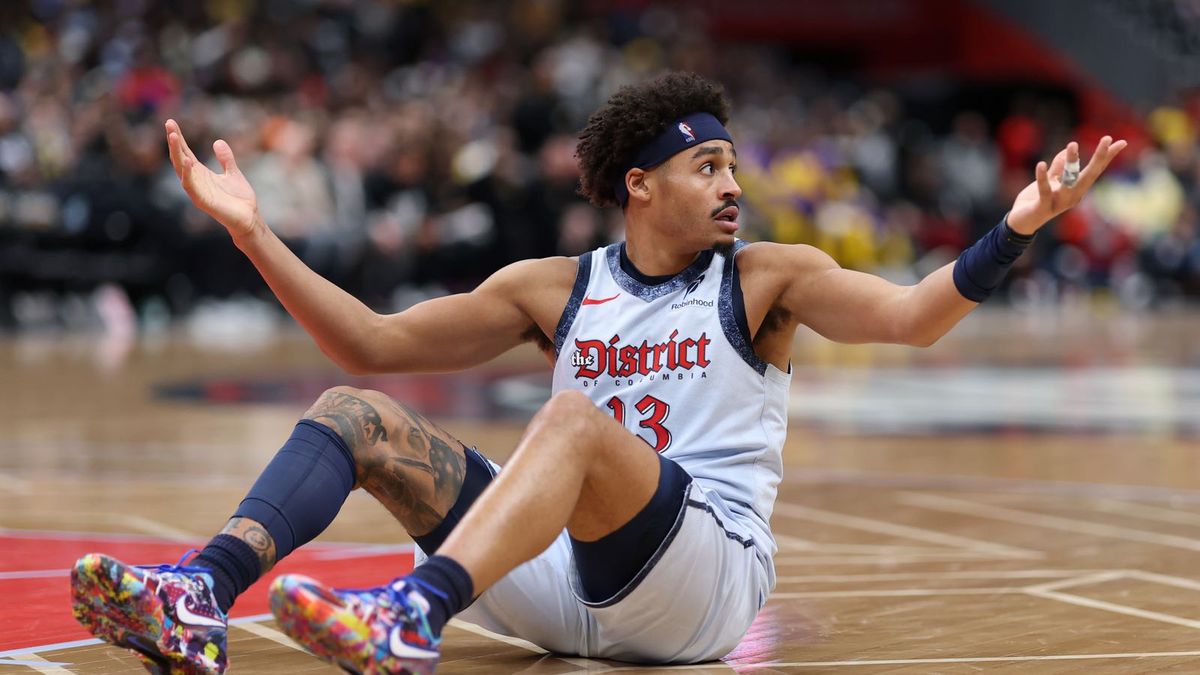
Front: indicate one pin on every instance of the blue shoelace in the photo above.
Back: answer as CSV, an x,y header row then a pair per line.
x,y
400,599
178,567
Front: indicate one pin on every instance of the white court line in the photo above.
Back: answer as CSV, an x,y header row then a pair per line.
x,y
1113,607
271,634
52,647
897,530
45,665
689,667
877,560
1178,582
141,524
55,646
252,619
965,507
899,593
17,486
34,574
516,642
480,630
935,576
40,663
90,536
150,526
966,659
1173,516
1083,580
798,544
945,554
991,484
364,551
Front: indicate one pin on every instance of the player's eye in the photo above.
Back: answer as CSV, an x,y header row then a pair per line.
x,y
707,169
733,169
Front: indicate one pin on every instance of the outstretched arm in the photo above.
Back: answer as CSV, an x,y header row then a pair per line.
x,y
448,333
849,306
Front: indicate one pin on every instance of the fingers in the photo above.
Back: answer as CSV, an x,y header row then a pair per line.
x,y
1060,160
1072,152
182,157
1106,150
225,156
173,136
1045,193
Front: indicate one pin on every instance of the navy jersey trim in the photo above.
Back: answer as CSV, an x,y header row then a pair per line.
x,y
577,291
649,292
746,542
732,310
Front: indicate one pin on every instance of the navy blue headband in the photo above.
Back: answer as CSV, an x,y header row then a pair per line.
x,y
683,133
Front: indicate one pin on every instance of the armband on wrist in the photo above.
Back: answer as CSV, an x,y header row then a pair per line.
x,y
981,268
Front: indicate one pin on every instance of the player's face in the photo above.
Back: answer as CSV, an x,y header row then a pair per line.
x,y
699,195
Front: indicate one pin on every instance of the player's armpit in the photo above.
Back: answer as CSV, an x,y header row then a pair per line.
x,y
467,329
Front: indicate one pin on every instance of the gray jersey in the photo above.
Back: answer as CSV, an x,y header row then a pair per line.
x,y
673,362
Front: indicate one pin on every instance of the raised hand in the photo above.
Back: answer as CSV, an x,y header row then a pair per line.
x,y
227,196
1049,196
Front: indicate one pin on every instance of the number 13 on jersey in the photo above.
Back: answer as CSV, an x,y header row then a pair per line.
x,y
654,413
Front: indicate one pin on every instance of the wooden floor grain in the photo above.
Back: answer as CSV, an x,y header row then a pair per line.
x,y
1022,497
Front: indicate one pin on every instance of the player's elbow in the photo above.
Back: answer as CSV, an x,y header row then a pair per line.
x,y
915,333
923,340
374,362
350,363
355,367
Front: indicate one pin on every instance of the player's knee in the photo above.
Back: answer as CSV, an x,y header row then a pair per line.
x,y
570,412
339,399
354,414
569,405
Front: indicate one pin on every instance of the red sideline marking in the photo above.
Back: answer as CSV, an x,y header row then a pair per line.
x,y
37,610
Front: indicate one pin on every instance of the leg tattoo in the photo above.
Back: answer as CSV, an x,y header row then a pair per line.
x,y
411,466
255,535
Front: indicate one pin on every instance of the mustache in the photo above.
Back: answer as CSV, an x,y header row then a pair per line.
x,y
728,203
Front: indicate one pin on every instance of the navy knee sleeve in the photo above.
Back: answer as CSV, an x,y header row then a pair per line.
x,y
297,496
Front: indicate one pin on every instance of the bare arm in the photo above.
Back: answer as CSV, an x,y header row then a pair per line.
x,y
848,306
443,334
854,307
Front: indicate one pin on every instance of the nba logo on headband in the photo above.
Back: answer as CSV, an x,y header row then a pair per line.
x,y
695,128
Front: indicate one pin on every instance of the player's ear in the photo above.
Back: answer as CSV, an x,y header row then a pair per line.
x,y
636,181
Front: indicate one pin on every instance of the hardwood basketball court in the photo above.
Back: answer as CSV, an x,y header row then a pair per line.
x,y
1023,497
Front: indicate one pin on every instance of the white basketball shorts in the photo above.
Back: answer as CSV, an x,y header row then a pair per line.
x,y
692,601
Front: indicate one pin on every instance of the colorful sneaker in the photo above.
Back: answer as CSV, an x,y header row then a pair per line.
x,y
166,614
368,631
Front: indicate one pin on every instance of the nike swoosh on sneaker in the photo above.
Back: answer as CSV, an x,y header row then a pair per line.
x,y
599,301
191,618
404,650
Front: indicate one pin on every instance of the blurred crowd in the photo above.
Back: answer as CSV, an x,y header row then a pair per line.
x,y
410,148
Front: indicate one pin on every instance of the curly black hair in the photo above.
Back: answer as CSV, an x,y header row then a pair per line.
x,y
633,117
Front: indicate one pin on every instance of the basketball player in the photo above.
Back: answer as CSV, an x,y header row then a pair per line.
x,y
632,521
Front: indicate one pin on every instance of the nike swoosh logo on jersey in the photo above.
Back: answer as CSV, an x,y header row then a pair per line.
x,y
599,301
404,650
189,617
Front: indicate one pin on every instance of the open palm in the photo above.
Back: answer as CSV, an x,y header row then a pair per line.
x,y
1047,196
227,196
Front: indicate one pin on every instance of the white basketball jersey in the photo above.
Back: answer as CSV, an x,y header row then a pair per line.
x,y
672,360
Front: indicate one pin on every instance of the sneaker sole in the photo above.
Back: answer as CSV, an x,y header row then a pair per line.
x,y
327,629
110,601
